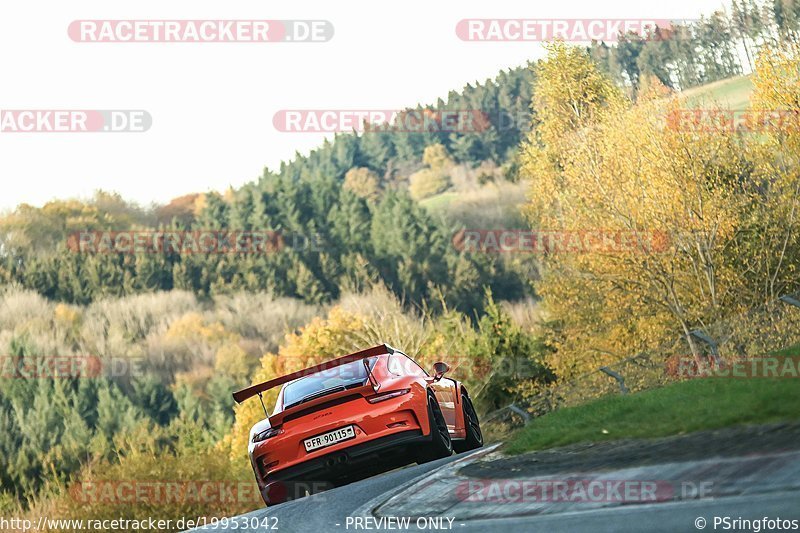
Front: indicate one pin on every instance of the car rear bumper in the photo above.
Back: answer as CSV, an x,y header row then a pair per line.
x,y
324,471
371,422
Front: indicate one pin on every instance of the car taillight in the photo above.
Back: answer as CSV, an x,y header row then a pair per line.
x,y
267,434
387,395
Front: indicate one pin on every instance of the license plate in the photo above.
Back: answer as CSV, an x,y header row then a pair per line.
x,y
329,438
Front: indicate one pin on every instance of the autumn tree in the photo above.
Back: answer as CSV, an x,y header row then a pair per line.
x,y
434,178
363,182
687,196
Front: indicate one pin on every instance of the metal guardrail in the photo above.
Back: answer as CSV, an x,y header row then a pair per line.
x,y
723,336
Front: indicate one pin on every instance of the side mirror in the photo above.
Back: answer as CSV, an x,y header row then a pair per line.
x,y
439,370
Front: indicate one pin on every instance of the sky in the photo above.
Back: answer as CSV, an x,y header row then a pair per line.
x,y
212,104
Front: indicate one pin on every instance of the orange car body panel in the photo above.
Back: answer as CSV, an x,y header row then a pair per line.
x,y
409,412
403,415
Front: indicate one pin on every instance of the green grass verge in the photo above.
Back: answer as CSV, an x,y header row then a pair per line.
x,y
671,410
789,352
439,201
733,93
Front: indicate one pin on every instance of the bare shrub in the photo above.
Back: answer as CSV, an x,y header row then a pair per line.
x,y
385,320
262,318
525,313
112,326
19,306
495,205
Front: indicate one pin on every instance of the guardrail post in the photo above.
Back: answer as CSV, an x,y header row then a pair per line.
x,y
622,388
521,412
526,416
711,343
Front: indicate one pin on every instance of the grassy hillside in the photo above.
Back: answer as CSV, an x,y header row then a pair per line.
x,y
494,205
672,410
439,201
478,205
733,93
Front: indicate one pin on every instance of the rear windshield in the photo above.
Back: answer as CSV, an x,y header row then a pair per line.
x,y
326,382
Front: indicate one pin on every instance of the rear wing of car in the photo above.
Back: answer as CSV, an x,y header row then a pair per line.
x,y
254,390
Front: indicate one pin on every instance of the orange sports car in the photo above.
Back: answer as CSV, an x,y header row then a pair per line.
x,y
353,417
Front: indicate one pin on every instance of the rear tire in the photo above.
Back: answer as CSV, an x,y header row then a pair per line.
x,y
440,445
474,437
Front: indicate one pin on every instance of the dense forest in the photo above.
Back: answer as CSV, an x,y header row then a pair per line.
x,y
383,266
715,47
367,230
354,197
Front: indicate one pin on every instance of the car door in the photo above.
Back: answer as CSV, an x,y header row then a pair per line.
x,y
444,390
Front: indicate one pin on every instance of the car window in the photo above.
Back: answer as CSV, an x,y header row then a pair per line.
x,y
397,365
411,367
327,381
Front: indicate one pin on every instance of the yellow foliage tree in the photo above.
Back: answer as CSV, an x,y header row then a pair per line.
x,y
362,182
600,163
191,326
775,242
320,340
437,158
231,360
435,177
